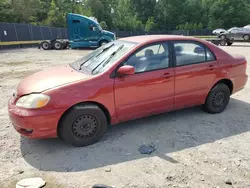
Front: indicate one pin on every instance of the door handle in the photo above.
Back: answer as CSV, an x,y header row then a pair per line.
x,y
167,75
211,67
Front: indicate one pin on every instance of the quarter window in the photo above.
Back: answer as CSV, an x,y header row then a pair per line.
x,y
150,58
210,55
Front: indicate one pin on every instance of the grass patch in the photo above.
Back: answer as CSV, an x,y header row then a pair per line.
x,y
19,42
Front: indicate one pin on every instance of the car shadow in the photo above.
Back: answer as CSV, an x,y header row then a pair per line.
x,y
169,132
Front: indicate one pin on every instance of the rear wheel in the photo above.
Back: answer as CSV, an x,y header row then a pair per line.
x,y
217,99
57,45
45,45
83,125
246,37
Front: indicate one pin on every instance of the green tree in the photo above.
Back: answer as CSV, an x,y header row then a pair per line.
x,y
229,13
103,25
144,9
150,24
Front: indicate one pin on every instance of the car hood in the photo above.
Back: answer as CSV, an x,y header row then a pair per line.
x,y
108,33
48,79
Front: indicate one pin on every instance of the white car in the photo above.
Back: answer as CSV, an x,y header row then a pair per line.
x,y
247,27
219,31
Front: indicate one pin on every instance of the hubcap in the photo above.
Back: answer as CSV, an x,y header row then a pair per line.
x,y
45,45
246,37
218,99
57,45
85,126
103,43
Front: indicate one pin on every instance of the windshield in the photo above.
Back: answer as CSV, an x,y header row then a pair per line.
x,y
99,27
102,58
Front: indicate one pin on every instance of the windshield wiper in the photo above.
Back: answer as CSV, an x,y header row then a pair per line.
x,y
96,55
106,60
104,49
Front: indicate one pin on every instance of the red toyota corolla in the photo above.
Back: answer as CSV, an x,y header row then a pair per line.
x,y
126,79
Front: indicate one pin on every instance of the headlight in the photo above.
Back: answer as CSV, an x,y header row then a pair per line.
x,y
33,101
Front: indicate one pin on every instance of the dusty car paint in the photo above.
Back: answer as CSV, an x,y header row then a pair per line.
x,y
124,98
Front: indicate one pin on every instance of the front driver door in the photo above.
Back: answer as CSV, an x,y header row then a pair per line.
x,y
150,90
94,32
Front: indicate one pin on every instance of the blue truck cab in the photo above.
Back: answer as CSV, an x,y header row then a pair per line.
x,y
86,32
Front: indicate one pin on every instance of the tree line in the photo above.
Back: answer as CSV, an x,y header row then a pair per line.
x,y
132,15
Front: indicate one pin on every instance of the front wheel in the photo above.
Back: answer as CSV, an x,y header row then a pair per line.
x,y
223,43
83,125
217,99
103,42
223,37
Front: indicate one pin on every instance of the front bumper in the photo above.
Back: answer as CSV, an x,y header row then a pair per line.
x,y
34,123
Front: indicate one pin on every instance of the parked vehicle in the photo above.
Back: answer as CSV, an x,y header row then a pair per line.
x,y
236,33
247,27
126,79
82,32
219,31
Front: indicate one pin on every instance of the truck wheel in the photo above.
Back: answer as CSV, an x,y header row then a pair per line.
x,y
83,125
45,45
246,37
223,43
103,42
57,45
217,99
223,37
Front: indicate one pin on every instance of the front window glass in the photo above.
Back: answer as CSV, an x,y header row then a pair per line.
x,y
150,58
102,58
99,27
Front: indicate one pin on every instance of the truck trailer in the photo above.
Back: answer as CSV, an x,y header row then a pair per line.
x,y
83,32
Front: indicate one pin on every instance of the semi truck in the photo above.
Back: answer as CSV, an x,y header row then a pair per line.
x,y
83,32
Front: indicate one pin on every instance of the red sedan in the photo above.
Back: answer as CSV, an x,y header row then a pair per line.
x,y
126,79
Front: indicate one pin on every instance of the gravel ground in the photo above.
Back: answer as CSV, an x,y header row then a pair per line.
x,y
193,149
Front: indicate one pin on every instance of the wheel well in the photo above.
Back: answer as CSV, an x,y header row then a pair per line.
x,y
102,107
227,82
103,40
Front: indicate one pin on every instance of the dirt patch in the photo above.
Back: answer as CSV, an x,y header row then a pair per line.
x,y
16,63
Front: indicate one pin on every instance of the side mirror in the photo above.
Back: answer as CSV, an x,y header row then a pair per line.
x,y
126,70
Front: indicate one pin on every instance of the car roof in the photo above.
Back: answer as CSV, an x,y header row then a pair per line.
x,y
156,38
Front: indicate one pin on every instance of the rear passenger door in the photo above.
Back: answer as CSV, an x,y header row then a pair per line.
x,y
195,71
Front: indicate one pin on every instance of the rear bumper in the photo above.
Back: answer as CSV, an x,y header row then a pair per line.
x,y
239,83
34,123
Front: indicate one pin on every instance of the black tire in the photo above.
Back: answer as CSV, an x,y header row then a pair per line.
x,y
229,43
223,37
103,42
246,37
57,45
45,45
223,43
83,125
217,99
